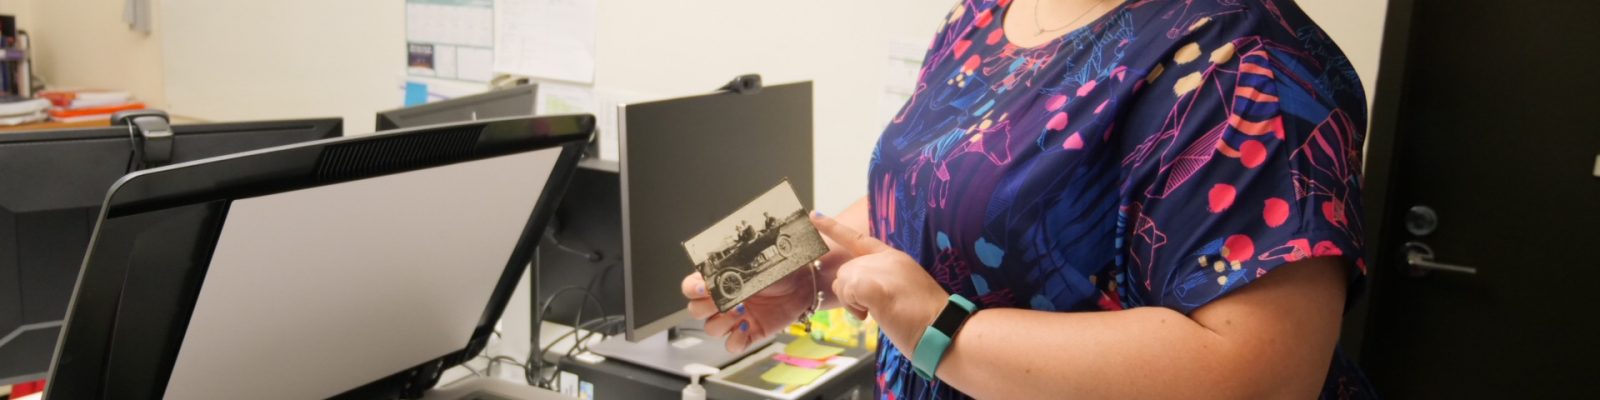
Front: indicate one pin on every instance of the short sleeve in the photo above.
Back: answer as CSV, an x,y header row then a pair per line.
x,y
953,38
1243,158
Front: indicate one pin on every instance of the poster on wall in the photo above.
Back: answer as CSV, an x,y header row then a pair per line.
x,y
548,39
450,39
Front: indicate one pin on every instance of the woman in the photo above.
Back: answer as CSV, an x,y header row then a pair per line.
x,y
1142,199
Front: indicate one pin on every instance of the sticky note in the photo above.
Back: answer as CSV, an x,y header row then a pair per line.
x,y
785,374
416,93
804,347
799,362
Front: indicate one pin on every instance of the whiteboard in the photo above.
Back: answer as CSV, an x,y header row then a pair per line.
x,y
257,59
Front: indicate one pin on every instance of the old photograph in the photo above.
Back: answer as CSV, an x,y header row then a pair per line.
x,y
758,244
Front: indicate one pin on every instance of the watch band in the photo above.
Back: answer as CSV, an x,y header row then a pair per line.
x,y
937,337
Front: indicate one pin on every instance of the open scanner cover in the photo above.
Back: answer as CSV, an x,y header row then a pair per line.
x,y
355,267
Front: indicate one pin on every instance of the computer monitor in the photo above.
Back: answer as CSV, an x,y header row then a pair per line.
x,y
515,101
686,163
354,267
51,186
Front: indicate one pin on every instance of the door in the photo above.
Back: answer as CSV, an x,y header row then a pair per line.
x,y
1487,115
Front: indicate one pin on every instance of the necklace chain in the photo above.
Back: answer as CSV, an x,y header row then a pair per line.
x,y
1040,26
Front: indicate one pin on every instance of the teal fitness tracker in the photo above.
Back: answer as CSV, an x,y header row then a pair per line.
x,y
936,339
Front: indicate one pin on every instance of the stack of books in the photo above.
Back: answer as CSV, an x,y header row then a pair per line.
x,y
88,105
19,110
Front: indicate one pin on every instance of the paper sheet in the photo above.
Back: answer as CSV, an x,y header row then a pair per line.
x,y
785,374
450,39
432,89
552,39
606,117
804,347
557,98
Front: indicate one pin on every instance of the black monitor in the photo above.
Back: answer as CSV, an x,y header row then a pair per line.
x,y
354,267
515,101
685,163
51,186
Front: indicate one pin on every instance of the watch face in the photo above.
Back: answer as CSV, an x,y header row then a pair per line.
x,y
951,318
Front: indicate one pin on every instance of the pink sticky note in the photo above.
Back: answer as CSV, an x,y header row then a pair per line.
x,y
798,362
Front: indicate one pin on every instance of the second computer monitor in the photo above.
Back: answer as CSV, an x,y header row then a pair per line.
x,y
52,184
510,102
692,160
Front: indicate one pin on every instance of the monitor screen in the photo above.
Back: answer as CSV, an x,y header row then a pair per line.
x,y
51,186
510,102
689,162
354,267
335,286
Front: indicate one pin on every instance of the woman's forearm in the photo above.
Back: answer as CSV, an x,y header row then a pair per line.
x,y
1002,354
1273,339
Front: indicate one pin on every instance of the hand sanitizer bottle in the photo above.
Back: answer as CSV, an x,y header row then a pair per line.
x,y
694,391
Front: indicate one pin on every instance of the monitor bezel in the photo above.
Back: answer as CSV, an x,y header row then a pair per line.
x,y
293,167
393,119
324,128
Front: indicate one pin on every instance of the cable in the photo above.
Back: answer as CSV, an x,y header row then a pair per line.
x,y
576,342
537,359
592,255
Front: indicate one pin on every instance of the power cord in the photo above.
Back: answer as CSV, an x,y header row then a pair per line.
x,y
556,367
536,358
605,322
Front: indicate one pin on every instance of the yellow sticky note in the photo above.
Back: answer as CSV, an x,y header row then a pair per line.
x,y
785,374
804,347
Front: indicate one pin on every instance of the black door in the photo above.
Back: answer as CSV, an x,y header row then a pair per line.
x,y
1484,147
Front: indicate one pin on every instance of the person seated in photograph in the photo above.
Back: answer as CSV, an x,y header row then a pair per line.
x,y
1143,198
746,232
771,222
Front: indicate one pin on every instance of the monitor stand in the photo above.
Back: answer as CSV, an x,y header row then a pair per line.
x,y
670,351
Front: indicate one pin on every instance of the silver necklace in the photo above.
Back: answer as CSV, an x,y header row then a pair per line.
x,y
1040,26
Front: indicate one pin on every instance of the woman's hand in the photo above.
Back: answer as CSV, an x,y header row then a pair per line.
x,y
772,309
762,315
884,283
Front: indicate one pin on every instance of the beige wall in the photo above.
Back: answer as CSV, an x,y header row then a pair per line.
x,y
85,44
1357,25
22,9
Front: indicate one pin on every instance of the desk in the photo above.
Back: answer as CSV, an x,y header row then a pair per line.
x,y
619,380
39,126
50,125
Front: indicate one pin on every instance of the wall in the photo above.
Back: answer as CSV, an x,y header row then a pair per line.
x,y
238,60
22,9
247,60
85,44
242,60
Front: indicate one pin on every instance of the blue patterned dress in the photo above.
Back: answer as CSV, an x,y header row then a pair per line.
x,y
1167,154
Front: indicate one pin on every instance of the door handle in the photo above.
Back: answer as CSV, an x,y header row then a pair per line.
x,y
1419,261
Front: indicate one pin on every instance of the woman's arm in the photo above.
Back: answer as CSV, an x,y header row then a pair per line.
x,y
1271,339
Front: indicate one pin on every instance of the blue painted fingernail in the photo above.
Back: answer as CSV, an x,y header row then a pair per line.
x,y
744,326
739,309
701,289
817,214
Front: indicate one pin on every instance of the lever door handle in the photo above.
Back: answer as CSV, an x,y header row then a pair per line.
x,y
1419,259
